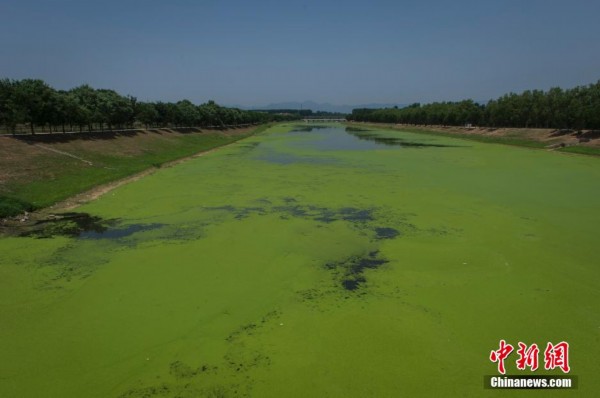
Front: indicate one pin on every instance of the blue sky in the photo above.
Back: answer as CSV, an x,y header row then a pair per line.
x,y
342,52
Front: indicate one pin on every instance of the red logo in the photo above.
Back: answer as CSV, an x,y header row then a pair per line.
x,y
555,356
527,356
500,355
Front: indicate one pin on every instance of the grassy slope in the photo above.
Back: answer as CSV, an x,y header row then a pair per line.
x,y
54,177
488,139
584,150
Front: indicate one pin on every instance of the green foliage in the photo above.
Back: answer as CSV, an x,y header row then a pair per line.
x,y
147,113
33,101
445,113
11,206
577,108
36,104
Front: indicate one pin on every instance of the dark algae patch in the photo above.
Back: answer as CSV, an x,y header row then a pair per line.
x,y
181,370
351,271
119,232
64,224
353,283
292,208
386,233
325,214
239,213
356,215
232,376
75,225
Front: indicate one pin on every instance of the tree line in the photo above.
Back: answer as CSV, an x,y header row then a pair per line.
x,y
577,108
34,103
306,113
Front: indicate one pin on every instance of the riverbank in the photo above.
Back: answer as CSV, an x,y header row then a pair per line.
x,y
586,142
40,171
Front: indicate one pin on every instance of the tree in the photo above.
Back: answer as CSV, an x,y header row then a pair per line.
x,y
33,99
187,114
86,99
147,114
9,113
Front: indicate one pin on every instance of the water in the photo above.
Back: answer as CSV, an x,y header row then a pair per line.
x,y
309,263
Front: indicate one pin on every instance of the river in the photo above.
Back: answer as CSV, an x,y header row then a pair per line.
x,y
310,261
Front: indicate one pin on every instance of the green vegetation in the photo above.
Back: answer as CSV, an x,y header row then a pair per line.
x,y
506,140
11,206
577,108
584,150
515,140
312,263
110,160
34,103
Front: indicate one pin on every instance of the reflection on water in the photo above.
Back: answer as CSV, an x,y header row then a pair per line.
x,y
370,135
117,233
284,158
392,141
331,138
307,128
78,225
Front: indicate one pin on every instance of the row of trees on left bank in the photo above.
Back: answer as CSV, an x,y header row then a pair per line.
x,y
35,105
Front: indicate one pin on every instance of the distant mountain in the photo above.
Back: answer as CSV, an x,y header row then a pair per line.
x,y
325,107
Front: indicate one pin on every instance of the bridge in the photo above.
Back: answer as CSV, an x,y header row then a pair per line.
x,y
311,120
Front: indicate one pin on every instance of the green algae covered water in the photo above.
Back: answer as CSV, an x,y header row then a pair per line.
x,y
317,261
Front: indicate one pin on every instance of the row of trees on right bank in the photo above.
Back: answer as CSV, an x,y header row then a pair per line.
x,y
577,108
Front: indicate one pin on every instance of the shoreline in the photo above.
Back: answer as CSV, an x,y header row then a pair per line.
x,y
569,142
98,191
27,218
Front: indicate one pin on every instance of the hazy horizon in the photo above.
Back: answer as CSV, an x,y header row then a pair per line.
x,y
253,54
